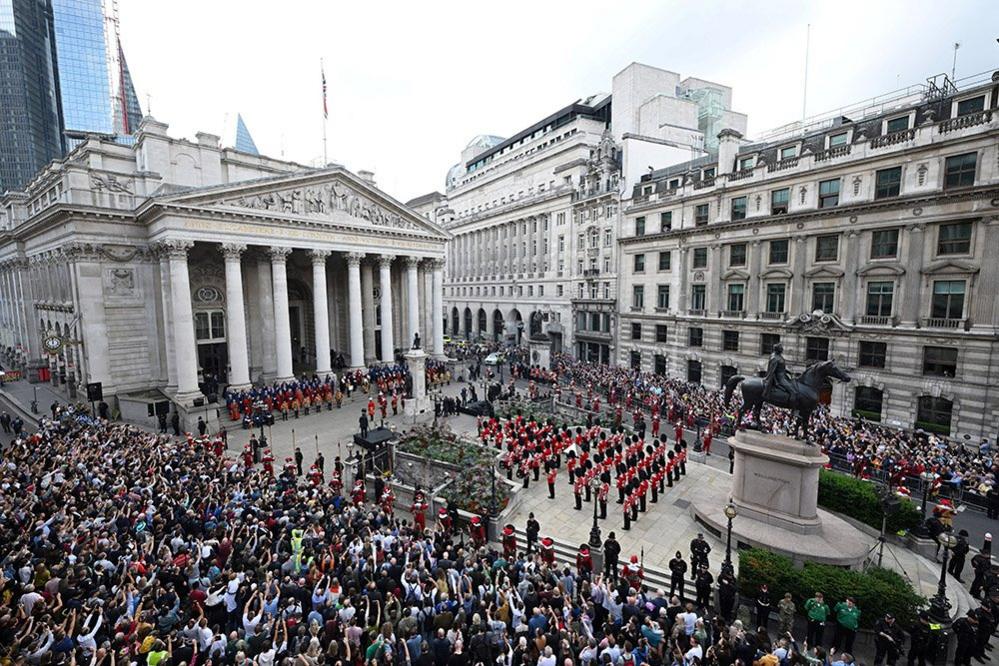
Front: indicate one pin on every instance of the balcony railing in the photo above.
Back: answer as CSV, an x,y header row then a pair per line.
x,y
740,174
787,163
832,153
944,322
894,138
695,313
591,272
701,184
772,316
734,314
877,320
969,120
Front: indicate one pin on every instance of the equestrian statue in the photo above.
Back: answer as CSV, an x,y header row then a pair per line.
x,y
780,389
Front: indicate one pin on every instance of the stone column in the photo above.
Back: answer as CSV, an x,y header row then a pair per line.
x,y
282,322
235,313
321,312
910,305
166,303
354,314
798,303
368,308
266,299
185,349
385,281
754,287
416,361
715,296
426,289
412,299
850,291
437,311
982,308
682,297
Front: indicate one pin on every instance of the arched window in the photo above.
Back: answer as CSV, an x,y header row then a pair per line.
x,y
867,403
934,414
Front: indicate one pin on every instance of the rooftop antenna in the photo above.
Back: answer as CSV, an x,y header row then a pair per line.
x,y
953,68
804,92
149,104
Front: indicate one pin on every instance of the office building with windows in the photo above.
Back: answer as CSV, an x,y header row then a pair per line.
x,y
63,77
29,99
868,238
535,217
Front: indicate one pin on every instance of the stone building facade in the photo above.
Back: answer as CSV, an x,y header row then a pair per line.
x,y
867,238
535,217
161,266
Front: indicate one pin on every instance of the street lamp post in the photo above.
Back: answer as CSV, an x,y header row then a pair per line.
x,y
595,541
939,606
730,513
926,478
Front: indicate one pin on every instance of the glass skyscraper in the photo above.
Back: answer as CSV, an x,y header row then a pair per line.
x,y
94,81
62,76
29,94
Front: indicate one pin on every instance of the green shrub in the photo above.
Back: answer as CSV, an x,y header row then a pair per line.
x,y
858,499
876,591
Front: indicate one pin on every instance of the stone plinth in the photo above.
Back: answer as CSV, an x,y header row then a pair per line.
x,y
776,480
775,488
541,351
416,360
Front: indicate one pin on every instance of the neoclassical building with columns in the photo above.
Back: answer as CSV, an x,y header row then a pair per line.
x,y
172,265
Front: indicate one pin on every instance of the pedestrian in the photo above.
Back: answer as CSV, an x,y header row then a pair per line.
x,y
847,616
981,564
298,461
818,612
363,423
763,607
175,423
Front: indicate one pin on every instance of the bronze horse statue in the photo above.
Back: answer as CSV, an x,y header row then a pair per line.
x,y
808,385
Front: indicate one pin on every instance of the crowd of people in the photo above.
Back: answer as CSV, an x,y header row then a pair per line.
x,y
616,394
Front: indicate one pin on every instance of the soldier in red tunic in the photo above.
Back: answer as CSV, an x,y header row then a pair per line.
x,y
633,573
419,511
552,474
388,501
584,562
357,495
444,521
477,532
315,476
548,551
509,542
336,483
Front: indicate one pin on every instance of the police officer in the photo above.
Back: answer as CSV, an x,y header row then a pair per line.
x,y
699,550
612,550
726,594
921,640
678,569
888,638
702,584
966,630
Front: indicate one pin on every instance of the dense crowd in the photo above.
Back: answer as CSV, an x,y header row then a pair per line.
x,y
617,393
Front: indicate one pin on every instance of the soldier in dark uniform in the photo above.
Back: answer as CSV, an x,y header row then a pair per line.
x,y
777,377
726,594
612,550
533,528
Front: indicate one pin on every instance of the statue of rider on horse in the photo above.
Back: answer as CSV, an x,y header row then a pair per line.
x,y
779,389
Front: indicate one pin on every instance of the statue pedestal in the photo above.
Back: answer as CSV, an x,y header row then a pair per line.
x,y
775,489
540,349
416,361
776,480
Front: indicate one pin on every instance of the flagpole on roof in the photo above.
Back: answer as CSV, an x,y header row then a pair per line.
x,y
322,73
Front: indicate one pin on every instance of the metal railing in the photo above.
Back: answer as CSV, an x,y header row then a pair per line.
x,y
962,122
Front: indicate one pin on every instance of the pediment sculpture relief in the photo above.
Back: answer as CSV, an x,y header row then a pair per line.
x,y
320,201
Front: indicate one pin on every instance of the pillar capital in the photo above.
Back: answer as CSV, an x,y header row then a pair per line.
x,y
385,260
319,256
278,255
233,251
412,262
354,258
176,248
436,263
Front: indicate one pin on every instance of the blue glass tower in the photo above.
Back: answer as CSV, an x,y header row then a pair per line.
x,y
244,141
95,85
29,91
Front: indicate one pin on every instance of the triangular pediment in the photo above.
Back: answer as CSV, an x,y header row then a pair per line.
x,y
333,196
735,274
950,266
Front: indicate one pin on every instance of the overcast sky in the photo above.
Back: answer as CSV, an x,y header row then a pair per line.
x,y
411,82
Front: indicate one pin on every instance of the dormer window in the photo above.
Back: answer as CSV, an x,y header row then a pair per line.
x,y
747,163
788,152
897,125
838,139
708,173
966,107
674,184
